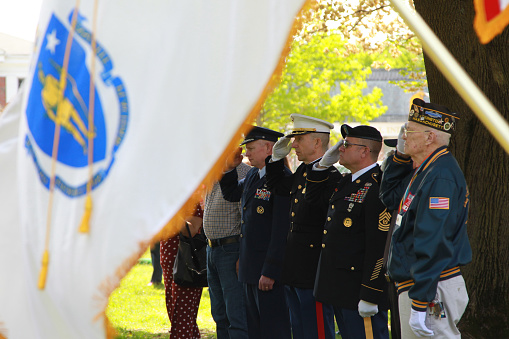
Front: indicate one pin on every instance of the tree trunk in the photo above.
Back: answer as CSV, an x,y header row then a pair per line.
x,y
484,162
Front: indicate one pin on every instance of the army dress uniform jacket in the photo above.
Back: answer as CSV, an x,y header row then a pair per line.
x,y
264,225
307,218
350,266
431,242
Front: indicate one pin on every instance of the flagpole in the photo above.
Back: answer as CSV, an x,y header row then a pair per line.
x,y
455,74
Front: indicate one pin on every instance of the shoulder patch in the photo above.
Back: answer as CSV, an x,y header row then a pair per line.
x,y
438,203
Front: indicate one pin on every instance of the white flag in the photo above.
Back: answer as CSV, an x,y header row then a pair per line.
x,y
172,82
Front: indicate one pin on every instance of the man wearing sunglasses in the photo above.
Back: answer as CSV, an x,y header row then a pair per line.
x,y
424,183
350,276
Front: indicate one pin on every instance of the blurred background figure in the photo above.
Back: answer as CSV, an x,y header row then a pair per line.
x,y
181,302
157,274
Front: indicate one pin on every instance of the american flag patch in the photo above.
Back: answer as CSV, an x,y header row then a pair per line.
x,y
439,203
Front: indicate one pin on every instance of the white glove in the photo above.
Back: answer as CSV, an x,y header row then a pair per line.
x,y
281,148
417,324
367,309
331,156
401,143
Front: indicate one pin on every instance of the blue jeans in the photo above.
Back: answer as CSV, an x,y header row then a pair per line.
x,y
227,295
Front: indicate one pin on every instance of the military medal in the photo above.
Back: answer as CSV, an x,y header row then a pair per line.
x,y
350,206
263,194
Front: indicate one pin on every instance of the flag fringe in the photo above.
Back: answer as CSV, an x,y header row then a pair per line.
x,y
172,227
3,331
487,30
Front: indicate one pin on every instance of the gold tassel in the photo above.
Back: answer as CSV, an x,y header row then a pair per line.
x,y
44,270
85,222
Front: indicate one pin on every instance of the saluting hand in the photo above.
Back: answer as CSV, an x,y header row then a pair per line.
x,y
331,156
233,160
265,283
281,148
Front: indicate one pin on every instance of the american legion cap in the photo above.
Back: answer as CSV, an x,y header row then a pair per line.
x,y
433,115
257,133
361,132
302,124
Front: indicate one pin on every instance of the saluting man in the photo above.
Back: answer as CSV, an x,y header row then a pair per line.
x,y
310,141
424,183
264,226
350,275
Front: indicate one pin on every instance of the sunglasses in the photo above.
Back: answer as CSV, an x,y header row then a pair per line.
x,y
347,144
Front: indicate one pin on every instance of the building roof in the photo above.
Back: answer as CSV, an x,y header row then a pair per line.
x,y
10,45
378,74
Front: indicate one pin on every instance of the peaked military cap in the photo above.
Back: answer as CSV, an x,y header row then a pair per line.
x,y
361,132
433,115
302,124
257,133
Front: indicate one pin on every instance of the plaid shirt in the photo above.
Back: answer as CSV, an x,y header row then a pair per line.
x,y
221,218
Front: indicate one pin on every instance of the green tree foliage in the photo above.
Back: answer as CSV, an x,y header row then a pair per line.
x,y
374,27
324,80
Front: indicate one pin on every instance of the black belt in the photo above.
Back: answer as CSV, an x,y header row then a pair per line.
x,y
223,241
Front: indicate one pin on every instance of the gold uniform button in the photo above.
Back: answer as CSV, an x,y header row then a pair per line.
x,y
293,214
299,187
352,268
323,245
242,222
311,246
305,174
328,218
245,208
331,207
241,235
296,200
324,231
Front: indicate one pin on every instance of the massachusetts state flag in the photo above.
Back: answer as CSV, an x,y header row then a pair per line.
x,y
439,203
492,16
130,106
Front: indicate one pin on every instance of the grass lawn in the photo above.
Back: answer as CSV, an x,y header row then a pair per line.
x,y
139,311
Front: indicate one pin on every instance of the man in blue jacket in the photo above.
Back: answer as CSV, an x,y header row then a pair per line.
x,y
264,226
424,183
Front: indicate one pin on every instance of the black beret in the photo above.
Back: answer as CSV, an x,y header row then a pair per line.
x,y
361,132
433,115
263,133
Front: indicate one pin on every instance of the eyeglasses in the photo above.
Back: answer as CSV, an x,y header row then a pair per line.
x,y
347,144
405,131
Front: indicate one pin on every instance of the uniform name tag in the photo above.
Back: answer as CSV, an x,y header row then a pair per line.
x,y
263,194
